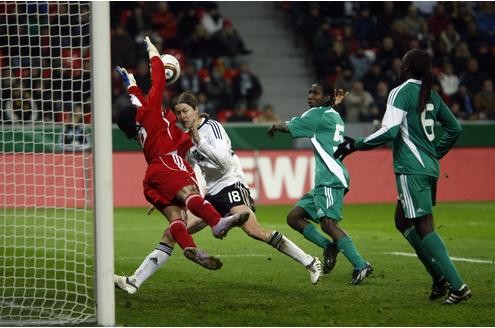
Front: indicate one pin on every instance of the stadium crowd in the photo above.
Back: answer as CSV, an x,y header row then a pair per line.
x,y
358,47
355,45
212,54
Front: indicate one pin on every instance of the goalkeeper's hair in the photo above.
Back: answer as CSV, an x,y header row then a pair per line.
x,y
126,120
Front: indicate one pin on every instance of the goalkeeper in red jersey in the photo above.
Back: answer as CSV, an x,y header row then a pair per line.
x,y
169,183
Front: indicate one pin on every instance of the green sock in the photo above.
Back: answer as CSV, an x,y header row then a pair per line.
x,y
413,238
346,246
435,246
312,234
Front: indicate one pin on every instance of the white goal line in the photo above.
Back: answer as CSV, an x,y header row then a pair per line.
x,y
459,259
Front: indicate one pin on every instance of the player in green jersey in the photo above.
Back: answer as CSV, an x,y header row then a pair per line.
x,y
413,108
323,205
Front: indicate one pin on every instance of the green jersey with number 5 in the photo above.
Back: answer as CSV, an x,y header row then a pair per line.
x,y
324,126
416,148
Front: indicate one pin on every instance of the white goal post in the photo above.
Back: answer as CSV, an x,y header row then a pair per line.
x,y
56,194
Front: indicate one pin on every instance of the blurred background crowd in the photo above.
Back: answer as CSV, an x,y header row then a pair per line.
x,y
357,46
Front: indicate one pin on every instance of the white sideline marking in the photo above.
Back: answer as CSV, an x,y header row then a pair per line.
x,y
460,259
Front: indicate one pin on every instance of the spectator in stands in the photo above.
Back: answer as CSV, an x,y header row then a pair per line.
x,y
461,56
379,101
199,47
485,59
473,37
439,21
190,80
372,78
206,106
449,82
366,29
484,101
472,77
163,21
425,39
386,53
240,115
486,21
246,88
345,79
425,8
22,108
142,75
393,74
413,21
335,62
229,44
187,24
357,103
361,63
210,18
449,39
73,137
139,22
463,104
388,12
268,115
218,90
122,48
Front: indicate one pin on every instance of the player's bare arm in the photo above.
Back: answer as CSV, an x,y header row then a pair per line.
x,y
281,127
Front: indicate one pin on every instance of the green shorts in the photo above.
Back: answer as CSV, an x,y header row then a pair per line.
x,y
323,201
417,193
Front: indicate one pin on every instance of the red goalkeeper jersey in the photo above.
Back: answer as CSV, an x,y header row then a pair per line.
x,y
159,134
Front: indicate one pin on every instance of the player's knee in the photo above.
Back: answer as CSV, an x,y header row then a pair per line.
x,y
292,220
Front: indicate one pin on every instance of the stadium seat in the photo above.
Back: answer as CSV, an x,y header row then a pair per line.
x,y
223,115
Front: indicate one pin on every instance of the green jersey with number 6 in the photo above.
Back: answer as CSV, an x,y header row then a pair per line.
x,y
416,149
324,126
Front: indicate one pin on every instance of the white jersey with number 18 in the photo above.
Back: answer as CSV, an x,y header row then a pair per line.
x,y
214,156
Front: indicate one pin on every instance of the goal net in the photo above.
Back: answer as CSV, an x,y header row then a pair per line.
x,y
46,162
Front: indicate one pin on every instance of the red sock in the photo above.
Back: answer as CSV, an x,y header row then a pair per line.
x,y
181,236
202,209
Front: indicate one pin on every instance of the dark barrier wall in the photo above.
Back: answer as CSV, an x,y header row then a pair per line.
x,y
46,137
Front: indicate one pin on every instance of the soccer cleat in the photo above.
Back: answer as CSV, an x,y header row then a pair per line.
x,y
330,258
125,283
439,288
228,222
455,296
358,275
314,270
202,258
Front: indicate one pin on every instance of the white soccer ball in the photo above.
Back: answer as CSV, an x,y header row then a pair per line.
x,y
172,68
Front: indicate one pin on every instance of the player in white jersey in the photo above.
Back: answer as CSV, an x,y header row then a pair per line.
x,y
226,190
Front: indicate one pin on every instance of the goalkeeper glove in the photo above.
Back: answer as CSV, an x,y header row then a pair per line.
x,y
127,78
152,51
344,149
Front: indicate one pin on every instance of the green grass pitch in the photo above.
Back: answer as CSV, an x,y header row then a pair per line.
x,y
258,286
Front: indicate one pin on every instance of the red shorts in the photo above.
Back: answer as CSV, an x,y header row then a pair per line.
x,y
164,178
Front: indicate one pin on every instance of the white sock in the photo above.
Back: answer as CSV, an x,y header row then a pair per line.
x,y
287,247
151,263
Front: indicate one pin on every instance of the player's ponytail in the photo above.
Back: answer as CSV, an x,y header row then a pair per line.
x,y
420,68
425,91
